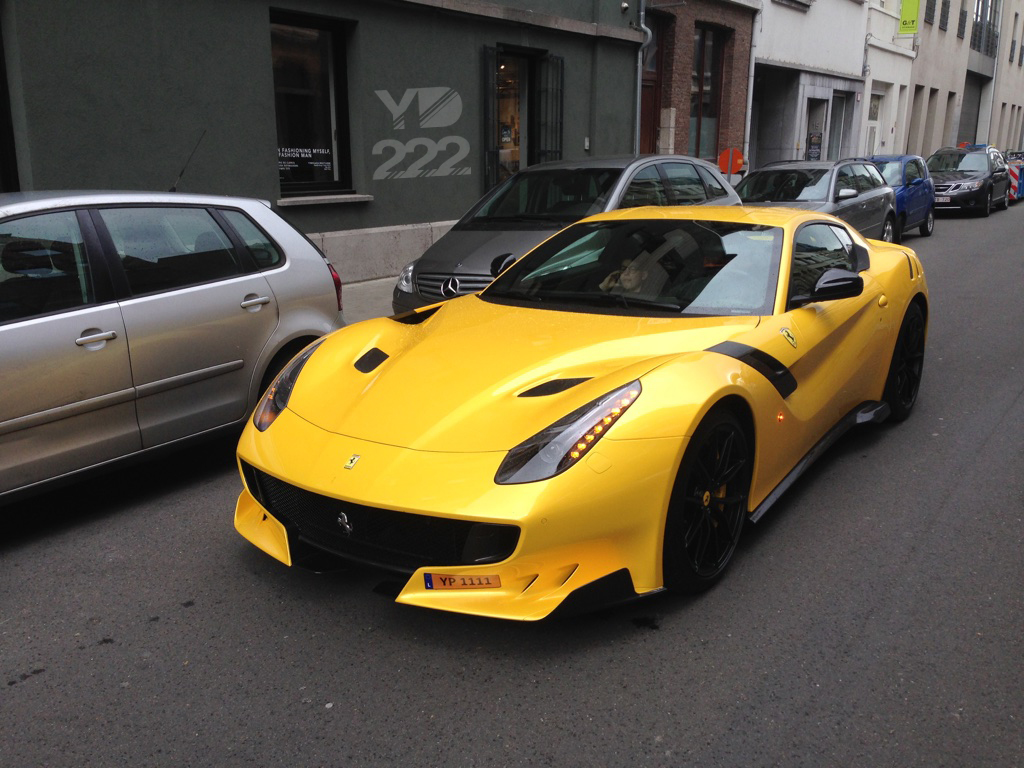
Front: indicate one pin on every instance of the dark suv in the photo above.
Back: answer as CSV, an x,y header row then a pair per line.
x,y
972,178
853,190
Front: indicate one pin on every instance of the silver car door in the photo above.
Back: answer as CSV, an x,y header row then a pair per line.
x,y
197,320
68,398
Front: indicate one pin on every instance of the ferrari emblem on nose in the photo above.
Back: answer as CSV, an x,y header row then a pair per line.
x,y
344,524
789,337
352,462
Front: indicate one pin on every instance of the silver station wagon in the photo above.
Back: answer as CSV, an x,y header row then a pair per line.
x,y
132,321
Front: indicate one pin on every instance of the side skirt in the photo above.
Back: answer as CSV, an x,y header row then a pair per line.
x,y
869,412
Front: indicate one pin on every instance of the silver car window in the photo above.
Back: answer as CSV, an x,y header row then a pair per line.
x,y
166,248
684,183
263,250
43,267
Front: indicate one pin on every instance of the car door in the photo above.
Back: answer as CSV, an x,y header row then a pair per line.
x,y
915,193
1000,175
197,317
68,401
849,209
825,345
876,198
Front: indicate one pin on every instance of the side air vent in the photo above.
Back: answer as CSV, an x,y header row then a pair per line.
x,y
371,360
415,317
552,387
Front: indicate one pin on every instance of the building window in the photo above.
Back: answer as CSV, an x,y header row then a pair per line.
x,y
311,104
522,110
705,91
929,11
944,15
961,28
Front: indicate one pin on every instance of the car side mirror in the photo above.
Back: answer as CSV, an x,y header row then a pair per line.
x,y
832,285
846,194
500,263
837,284
917,182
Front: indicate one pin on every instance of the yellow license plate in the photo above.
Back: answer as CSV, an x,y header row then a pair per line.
x,y
447,581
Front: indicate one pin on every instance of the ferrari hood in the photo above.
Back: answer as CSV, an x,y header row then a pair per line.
x,y
476,376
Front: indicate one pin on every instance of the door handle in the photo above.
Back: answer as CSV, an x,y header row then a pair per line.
x,y
254,301
93,338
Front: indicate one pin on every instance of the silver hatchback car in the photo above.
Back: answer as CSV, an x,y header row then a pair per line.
x,y
132,321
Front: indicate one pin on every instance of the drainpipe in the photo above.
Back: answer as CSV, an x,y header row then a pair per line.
x,y
648,36
750,86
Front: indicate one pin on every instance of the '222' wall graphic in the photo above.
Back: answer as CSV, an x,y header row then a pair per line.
x,y
434,108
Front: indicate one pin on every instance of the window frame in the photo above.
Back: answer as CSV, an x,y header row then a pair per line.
x,y
338,29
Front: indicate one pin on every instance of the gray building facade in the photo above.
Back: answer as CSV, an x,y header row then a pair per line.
x,y
371,124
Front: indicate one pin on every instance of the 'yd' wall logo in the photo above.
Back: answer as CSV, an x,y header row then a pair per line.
x,y
422,108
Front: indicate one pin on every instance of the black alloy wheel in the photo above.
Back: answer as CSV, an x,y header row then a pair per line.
x,y
708,504
987,210
904,379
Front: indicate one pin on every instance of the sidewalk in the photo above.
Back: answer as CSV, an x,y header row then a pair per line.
x,y
371,298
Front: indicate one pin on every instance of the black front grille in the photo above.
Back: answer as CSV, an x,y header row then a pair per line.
x,y
399,541
430,284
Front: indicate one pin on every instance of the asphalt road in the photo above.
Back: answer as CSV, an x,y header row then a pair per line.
x,y
874,618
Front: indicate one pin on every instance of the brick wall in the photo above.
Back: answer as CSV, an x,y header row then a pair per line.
x,y
679,23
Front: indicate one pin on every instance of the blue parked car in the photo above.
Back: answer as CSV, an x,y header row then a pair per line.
x,y
915,192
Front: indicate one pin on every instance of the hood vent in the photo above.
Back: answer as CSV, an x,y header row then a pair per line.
x,y
371,360
415,317
552,387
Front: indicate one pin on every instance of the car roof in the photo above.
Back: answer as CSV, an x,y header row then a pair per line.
x,y
611,161
767,215
24,202
894,157
799,164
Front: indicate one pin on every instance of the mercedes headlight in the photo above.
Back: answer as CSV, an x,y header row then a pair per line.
x,y
405,279
558,447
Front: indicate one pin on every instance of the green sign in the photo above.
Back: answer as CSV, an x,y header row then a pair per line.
x,y
908,16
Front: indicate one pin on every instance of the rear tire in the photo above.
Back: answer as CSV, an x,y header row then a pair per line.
x,y
904,379
708,504
928,225
889,230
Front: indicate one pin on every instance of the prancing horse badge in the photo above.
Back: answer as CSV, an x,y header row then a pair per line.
x,y
784,331
352,462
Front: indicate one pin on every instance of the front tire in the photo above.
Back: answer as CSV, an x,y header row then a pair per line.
x,y
904,379
987,210
708,504
928,225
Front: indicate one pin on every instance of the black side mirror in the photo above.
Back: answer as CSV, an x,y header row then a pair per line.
x,y
833,284
500,263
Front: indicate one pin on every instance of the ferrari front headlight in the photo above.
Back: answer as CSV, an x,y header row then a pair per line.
x,y
558,447
275,399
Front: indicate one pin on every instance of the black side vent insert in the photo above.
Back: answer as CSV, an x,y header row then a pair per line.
x,y
371,360
415,317
552,387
